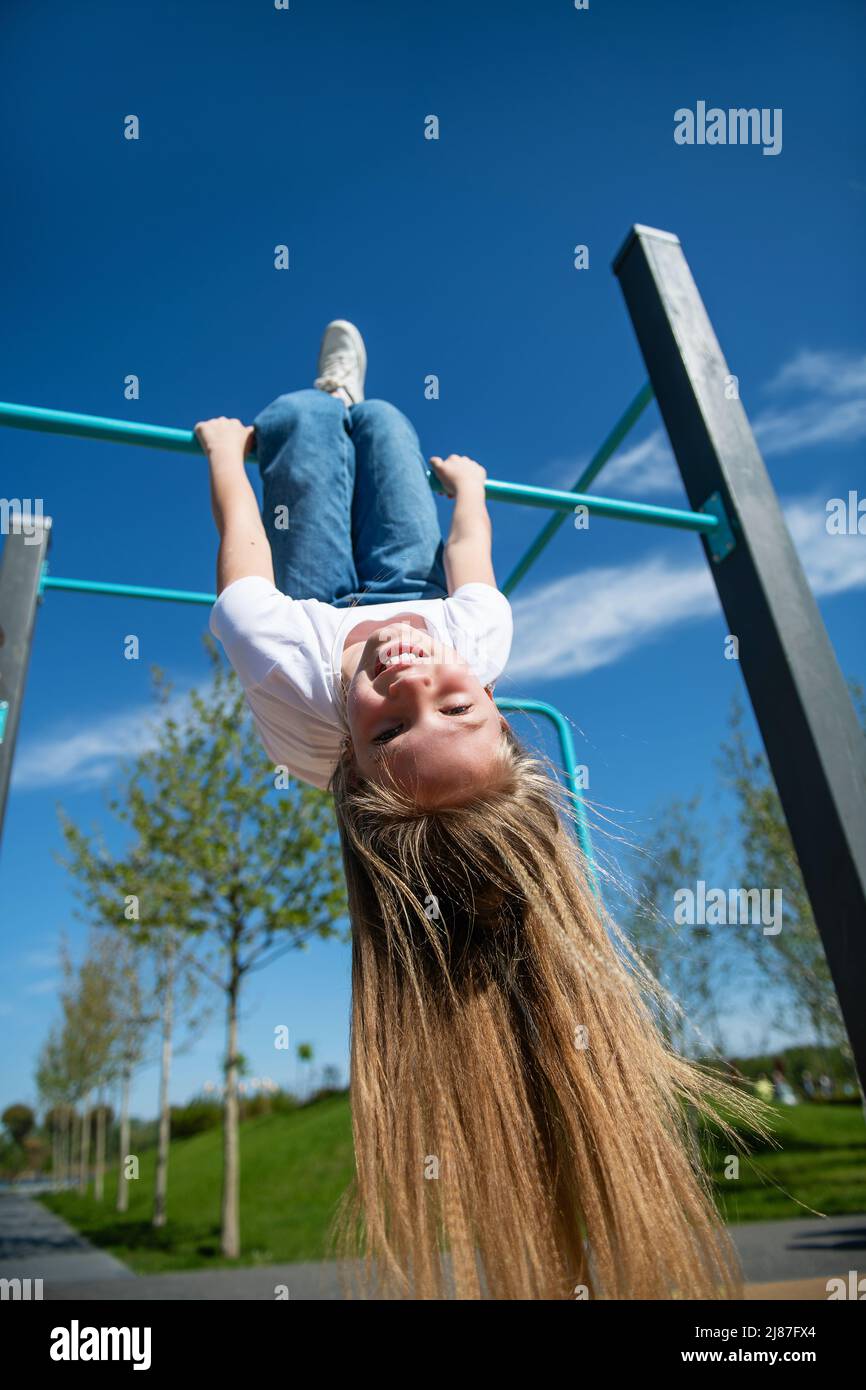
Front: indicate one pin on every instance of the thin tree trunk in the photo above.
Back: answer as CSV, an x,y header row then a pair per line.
x,y
84,1154
231,1228
122,1180
74,1142
61,1152
70,1143
99,1180
67,1146
55,1152
161,1181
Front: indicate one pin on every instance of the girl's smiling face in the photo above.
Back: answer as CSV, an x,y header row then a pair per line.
x,y
419,716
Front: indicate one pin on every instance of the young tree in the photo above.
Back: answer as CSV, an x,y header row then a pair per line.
x,y
103,1116
90,1033
77,1068
262,872
305,1057
137,1017
18,1120
61,1079
688,960
134,902
792,961
233,862
164,940
52,1084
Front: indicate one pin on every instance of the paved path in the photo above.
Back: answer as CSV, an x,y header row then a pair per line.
x,y
302,1281
773,1250
36,1244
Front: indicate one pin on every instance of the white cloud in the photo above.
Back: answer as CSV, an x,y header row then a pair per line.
x,y
821,399
87,754
817,398
596,617
40,987
645,468
84,755
561,473
833,564
40,960
830,373
809,423
593,618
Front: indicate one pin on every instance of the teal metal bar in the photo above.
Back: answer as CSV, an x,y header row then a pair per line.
x,y
646,512
161,437
96,586
609,447
34,417
569,762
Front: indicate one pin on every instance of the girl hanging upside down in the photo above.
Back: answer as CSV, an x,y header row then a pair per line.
x,y
520,1123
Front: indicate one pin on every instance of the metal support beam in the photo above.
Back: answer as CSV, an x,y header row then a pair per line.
x,y
23,556
813,739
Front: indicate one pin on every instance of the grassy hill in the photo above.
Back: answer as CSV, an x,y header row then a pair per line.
x,y
293,1170
818,1168
295,1166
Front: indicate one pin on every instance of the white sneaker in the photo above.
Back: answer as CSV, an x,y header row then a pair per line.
x,y
342,360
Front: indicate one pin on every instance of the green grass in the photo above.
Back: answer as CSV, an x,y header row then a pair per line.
x,y
819,1168
294,1168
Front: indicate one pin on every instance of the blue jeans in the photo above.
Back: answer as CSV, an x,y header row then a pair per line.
x,y
347,506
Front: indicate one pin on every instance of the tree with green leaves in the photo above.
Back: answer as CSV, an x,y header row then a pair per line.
x,y
76,1070
156,981
138,1014
18,1121
690,961
90,1032
793,960
70,1057
53,1085
232,864
305,1057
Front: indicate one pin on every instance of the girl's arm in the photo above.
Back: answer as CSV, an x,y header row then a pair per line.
x,y
469,547
244,548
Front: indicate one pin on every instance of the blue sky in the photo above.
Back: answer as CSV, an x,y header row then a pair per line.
x,y
155,257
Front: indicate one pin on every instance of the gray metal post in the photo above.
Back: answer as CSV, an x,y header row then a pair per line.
x,y
810,729
24,554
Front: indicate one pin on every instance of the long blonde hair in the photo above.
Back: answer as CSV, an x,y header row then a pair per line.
x,y
519,1122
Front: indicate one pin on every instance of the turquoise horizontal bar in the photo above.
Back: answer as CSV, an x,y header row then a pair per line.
x,y
34,417
97,586
646,512
184,441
